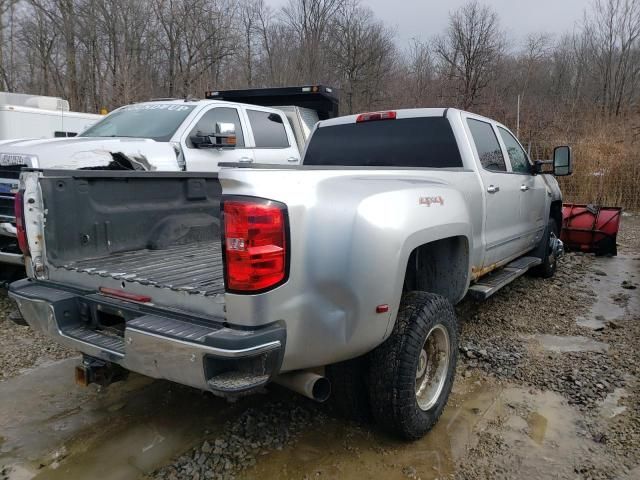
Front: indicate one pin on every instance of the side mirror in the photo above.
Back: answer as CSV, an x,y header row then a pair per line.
x,y
562,161
225,134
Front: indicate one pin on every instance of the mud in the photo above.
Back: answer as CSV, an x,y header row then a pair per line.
x,y
547,387
53,429
536,425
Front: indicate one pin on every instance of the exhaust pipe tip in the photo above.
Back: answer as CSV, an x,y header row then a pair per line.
x,y
311,385
321,390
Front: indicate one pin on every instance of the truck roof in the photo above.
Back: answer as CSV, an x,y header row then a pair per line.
x,y
399,113
196,102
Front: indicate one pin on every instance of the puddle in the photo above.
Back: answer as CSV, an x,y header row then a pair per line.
x,y
53,429
559,343
612,301
610,407
538,427
342,451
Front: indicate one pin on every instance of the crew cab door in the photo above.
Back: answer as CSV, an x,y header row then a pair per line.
x,y
533,191
207,159
502,225
273,138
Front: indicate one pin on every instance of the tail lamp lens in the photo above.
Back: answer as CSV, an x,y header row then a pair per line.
x,y
255,244
21,232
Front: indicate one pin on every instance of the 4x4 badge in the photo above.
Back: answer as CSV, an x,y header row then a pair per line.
x,y
428,201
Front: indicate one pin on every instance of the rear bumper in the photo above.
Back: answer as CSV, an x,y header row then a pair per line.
x,y
202,353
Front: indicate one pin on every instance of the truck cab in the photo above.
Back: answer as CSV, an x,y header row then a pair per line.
x,y
197,135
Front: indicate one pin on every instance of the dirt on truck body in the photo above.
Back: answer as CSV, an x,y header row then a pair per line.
x,y
547,387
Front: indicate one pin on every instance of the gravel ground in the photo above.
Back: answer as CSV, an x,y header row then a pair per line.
x,y
22,348
254,433
495,334
496,339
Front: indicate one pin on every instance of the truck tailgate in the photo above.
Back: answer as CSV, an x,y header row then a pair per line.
x,y
147,233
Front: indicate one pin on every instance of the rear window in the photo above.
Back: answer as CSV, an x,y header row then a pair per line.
x,y
268,129
426,142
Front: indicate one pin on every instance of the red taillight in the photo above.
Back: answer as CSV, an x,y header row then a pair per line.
x,y
372,116
21,232
254,244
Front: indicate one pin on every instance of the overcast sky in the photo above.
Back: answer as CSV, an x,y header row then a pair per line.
x,y
424,18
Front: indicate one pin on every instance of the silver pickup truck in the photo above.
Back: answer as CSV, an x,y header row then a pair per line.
x,y
337,276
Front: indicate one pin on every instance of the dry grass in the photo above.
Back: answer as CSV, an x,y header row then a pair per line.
x,y
606,164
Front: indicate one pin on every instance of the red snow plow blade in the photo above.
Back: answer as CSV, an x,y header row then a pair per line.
x,y
590,228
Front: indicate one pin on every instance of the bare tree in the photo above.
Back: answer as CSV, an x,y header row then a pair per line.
x,y
612,32
62,14
469,49
420,72
6,8
168,14
361,53
310,20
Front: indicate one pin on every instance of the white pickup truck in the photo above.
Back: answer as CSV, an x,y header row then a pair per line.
x,y
172,135
347,265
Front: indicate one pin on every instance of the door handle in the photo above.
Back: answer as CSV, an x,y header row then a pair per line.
x,y
293,159
493,189
524,188
245,160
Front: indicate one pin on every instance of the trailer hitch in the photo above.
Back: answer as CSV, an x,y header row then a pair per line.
x,y
93,370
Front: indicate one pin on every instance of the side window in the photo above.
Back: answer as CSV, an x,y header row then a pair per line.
x,y
207,124
517,157
487,145
268,129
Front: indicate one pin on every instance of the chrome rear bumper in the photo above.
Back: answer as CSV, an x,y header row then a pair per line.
x,y
195,352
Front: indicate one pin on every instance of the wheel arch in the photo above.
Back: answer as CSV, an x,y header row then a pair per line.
x,y
439,266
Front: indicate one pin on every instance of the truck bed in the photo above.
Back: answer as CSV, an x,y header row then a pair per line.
x,y
147,233
193,268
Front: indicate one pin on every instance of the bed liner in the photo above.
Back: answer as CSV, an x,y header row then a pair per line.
x,y
194,268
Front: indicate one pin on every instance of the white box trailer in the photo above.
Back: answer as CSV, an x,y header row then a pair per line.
x,y
31,117
34,116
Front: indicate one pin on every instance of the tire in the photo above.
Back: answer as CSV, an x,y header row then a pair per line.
x,y
394,366
349,389
549,265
